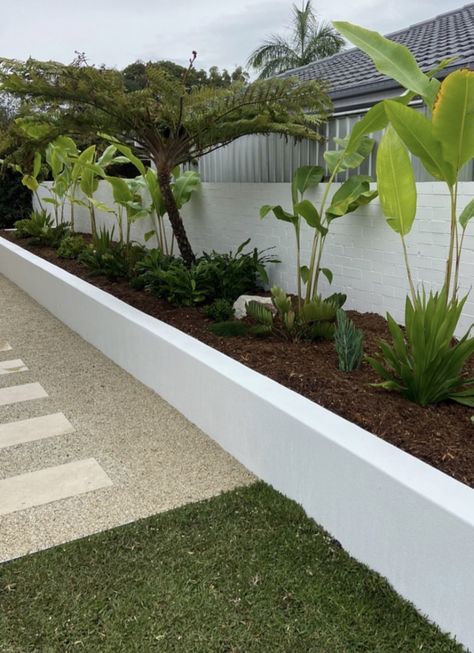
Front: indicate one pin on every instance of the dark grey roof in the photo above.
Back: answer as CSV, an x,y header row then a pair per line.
x,y
352,74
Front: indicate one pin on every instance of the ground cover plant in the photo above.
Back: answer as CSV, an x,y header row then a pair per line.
x,y
245,571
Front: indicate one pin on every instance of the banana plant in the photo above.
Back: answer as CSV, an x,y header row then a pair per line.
x,y
86,173
443,141
60,156
352,194
128,198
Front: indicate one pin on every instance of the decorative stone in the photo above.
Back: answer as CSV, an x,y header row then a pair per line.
x,y
239,304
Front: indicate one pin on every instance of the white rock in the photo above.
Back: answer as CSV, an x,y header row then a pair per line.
x,y
239,304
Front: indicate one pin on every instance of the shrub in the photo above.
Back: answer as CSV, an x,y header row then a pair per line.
x,y
349,343
232,275
40,229
71,246
229,329
424,363
213,276
15,199
314,320
111,259
220,310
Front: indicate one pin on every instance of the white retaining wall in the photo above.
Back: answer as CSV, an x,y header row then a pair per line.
x,y
401,517
362,251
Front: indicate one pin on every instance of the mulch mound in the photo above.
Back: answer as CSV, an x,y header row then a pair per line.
x,y
441,435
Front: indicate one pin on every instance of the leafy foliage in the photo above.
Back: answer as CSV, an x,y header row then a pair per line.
x,y
135,75
40,229
349,343
166,120
71,246
15,198
313,321
213,276
229,329
110,259
310,40
425,363
220,310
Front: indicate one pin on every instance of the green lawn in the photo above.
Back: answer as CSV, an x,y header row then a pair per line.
x,y
243,572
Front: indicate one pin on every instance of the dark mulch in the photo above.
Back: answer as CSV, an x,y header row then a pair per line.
x,y
441,435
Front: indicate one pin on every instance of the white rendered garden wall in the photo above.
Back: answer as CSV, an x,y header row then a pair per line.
x,y
401,517
362,251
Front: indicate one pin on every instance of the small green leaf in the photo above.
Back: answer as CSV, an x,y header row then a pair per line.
x,y
328,274
304,273
467,214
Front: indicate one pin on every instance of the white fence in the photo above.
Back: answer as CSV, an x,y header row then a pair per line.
x,y
362,251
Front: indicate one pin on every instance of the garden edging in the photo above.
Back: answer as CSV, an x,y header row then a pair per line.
x,y
401,517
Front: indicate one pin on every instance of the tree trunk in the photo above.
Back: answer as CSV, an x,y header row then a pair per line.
x,y
175,219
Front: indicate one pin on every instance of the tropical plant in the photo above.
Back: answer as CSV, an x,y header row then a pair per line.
x,y
169,122
429,366
352,194
349,343
60,156
310,40
425,363
233,275
106,257
40,229
71,246
314,320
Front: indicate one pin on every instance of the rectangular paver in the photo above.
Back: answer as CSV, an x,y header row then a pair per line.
x,y
5,346
9,367
35,428
51,484
25,392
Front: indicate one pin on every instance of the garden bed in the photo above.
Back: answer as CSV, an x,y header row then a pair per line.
x,y
442,435
389,510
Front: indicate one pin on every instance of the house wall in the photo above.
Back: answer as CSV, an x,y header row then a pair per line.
x,y
364,254
272,158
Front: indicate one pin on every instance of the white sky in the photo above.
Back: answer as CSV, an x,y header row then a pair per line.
x,y
118,32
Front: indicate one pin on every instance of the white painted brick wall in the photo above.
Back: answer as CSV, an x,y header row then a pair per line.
x,y
362,251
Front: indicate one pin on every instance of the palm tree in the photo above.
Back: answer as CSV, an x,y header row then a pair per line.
x,y
166,120
310,40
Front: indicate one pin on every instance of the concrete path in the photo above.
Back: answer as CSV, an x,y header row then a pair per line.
x,y
84,446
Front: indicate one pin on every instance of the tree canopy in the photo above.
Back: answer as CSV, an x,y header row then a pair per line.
x,y
166,120
309,40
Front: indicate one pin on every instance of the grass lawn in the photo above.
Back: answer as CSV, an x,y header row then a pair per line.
x,y
244,572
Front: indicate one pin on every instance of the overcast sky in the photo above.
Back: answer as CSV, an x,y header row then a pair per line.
x,y
118,32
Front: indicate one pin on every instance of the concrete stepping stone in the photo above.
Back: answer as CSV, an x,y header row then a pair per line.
x,y
51,484
35,428
9,367
5,346
25,392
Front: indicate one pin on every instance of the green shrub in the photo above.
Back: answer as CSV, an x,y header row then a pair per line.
x,y
313,320
111,259
15,199
349,343
71,246
229,329
145,269
232,275
220,310
213,276
40,229
425,363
